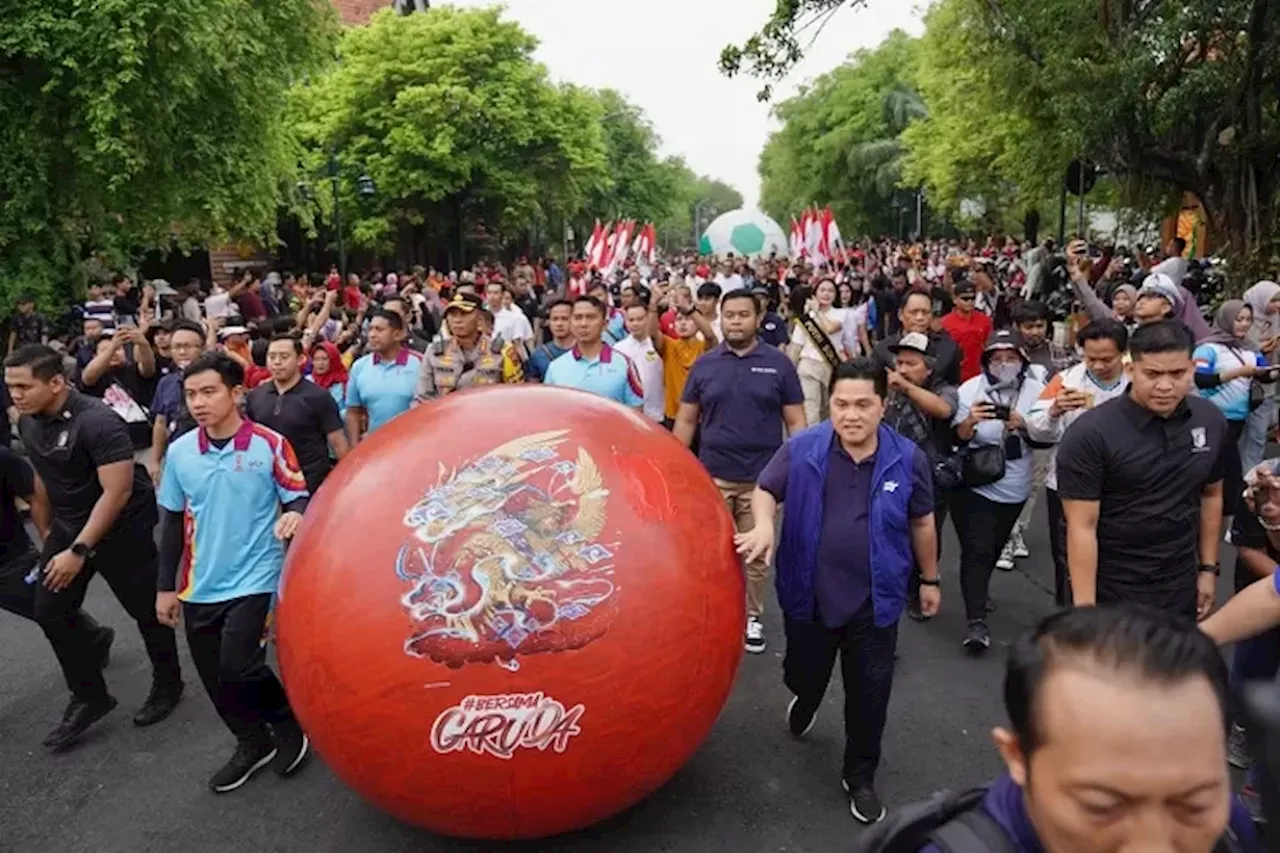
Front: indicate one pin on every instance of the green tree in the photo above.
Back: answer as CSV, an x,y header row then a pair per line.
x,y
839,141
640,186
128,126
1167,97
460,129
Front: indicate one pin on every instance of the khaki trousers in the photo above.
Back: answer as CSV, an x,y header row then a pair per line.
x,y
737,498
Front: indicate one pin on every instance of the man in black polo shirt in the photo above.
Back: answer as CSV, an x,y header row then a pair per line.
x,y
301,411
1140,478
19,557
741,394
916,316
102,512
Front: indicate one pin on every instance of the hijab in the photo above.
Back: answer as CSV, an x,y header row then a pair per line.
x,y
1224,327
1259,297
337,372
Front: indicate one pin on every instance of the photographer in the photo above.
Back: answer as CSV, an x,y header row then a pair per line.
x,y
997,469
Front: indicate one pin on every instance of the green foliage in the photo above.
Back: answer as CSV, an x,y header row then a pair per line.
x,y
457,125
128,125
774,51
839,140
1166,97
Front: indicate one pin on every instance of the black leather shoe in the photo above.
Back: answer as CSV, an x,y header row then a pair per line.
x,y
160,703
77,719
102,645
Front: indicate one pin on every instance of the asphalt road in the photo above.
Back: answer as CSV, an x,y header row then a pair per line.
x,y
750,787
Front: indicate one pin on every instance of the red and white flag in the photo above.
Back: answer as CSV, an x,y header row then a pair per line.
x,y
813,236
593,243
599,255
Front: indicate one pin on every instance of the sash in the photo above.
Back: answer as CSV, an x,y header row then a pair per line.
x,y
820,340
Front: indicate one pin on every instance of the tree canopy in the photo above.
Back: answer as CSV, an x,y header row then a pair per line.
x,y
839,140
466,137
1166,97
132,125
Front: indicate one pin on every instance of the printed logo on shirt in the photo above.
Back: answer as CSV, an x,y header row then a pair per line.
x,y
62,438
769,370
891,486
1199,440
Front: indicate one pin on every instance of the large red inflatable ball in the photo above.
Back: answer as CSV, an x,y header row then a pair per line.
x,y
512,613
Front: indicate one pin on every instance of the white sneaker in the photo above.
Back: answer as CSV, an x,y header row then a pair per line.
x,y
1019,545
755,636
1005,562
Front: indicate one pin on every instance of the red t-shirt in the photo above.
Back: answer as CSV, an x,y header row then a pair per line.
x,y
970,334
351,297
250,305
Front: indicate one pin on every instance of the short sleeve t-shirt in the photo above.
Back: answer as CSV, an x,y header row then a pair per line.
x,y
649,365
678,356
384,388
233,494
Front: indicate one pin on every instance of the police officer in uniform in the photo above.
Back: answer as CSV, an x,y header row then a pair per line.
x,y
471,357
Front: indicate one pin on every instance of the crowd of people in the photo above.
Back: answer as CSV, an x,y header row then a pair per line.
x,y
844,411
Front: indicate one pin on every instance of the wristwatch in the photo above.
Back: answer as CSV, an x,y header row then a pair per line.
x,y
1214,570
83,551
931,581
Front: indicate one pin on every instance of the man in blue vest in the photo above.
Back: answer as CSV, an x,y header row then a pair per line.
x,y
857,517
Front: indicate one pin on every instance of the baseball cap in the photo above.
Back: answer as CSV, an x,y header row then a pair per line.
x,y
1004,339
914,341
964,286
464,302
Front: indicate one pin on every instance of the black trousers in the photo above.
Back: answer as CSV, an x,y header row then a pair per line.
x,y
1058,545
866,668
983,526
228,643
941,498
1176,594
18,597
127,561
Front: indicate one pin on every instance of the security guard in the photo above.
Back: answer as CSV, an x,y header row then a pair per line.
x,y
469,358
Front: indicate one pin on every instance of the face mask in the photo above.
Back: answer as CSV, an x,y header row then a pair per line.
x,y
1006,374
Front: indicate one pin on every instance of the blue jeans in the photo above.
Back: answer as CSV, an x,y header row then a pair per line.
x,y
1253,443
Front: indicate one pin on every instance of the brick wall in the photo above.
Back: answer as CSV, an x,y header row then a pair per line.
x,y
358,11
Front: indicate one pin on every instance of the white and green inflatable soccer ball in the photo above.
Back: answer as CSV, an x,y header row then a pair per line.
x,y
744,233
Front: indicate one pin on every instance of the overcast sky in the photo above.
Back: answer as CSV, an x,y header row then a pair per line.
x,y
663,56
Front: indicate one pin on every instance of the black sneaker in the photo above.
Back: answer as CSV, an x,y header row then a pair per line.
x,y
250,757
978,639
76,721
102,646
292,746
160,703
864,803
800,720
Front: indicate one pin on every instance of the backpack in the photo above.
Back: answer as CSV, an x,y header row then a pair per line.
x,y
952,821
955,823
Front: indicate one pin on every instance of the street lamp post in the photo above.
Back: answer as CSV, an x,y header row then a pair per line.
x,y
366,189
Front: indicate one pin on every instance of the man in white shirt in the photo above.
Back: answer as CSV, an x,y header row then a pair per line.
x,y
638,347
1084,386
509,322
728,279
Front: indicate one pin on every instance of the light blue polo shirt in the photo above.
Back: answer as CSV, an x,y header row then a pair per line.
x,y
611,374
232,496
384,388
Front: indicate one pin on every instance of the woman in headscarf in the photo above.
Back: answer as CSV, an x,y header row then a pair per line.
x,y
328,371
1226,364
1264,299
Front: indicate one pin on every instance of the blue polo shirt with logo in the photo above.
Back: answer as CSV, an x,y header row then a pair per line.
x,y
740,398
232,495
384,387
610,374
